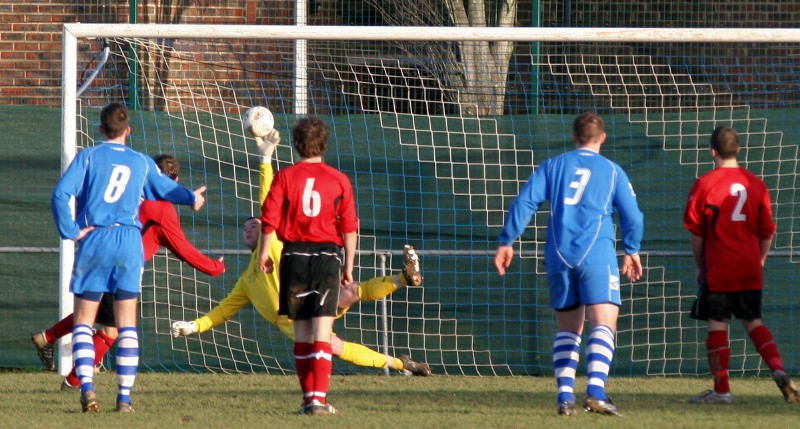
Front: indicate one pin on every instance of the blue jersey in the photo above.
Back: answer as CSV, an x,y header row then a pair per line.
x,y
109,182
583,188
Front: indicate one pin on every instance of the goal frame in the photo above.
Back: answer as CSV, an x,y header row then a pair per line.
x,y
74,31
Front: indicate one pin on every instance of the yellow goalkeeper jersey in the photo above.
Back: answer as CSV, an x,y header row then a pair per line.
x,y
254,286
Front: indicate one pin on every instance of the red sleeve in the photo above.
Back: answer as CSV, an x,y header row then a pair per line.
x,y
170,235
270,209
766,227
149,213
348,218
693,216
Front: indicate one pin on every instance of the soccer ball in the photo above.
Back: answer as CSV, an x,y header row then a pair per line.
x,y
258,121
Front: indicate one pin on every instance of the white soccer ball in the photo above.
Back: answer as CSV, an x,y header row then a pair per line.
x,y
258,121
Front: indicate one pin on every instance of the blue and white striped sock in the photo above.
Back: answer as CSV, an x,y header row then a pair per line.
x,y
83,355
127,362
566,352
600,352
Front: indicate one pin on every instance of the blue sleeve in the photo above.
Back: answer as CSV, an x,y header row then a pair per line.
x,y
68,186
160,187
631,218
524,206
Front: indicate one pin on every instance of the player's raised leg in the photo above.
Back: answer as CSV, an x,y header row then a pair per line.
x,y
44,348
44,340
411,274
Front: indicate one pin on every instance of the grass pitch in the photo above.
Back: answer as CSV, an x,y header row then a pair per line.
x,y
33,400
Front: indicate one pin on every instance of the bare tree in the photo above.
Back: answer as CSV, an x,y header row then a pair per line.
x,y
156,60
475,71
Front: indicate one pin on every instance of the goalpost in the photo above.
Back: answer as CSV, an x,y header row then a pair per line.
x,y
432,168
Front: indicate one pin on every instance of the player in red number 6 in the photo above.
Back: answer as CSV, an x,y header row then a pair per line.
x,y
729,215
312,210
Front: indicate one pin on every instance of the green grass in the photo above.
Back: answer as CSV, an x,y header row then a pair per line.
x,y
33,399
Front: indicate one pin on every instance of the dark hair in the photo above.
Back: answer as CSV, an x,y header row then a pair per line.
x,y
114,120
725,140
587,127
310,137
258,218
168,165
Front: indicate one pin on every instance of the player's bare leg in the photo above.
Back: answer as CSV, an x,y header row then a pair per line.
x,y
127,351
602,341
83,352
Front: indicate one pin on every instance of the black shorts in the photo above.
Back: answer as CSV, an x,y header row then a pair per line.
x,y
310,277
105,314
720,306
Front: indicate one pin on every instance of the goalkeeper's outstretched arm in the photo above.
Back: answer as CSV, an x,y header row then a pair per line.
x,y
233,302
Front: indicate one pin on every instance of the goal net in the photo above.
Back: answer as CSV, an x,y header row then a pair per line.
x,y
438,129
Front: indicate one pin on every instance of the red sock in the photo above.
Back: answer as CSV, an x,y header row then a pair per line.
x,y
61,328
765,344
304,359
719,357
102,343
73,379
323,367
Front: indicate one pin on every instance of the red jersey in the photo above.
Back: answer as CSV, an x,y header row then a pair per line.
x,y
161,227
731,209
310,203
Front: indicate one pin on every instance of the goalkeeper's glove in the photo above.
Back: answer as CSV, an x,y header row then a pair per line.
x,y
267,144
181,328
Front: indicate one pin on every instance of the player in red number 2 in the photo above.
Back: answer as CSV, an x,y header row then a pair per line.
x,y
729,215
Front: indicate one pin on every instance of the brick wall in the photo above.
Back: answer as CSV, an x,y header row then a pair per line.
x,y
30,51
30,35
30,30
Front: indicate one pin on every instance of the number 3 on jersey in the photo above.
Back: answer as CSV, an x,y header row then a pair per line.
x,y
312,202
580,185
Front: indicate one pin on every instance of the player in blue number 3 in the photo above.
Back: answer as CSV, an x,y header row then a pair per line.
x,y
108,182
583,188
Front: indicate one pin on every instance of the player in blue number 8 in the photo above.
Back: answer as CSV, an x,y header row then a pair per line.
x,y
108,181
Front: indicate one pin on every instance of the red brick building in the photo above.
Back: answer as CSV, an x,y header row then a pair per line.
x,y
30,30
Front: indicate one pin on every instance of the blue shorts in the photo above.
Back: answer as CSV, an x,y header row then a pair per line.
x,y
586,284
109,259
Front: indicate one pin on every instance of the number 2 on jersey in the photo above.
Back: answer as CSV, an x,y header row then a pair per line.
x,y
738,190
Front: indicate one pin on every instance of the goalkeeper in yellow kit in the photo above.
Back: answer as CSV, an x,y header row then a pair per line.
x,y
261,289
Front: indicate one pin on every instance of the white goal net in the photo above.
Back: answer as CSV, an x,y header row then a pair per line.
x,y
437,144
